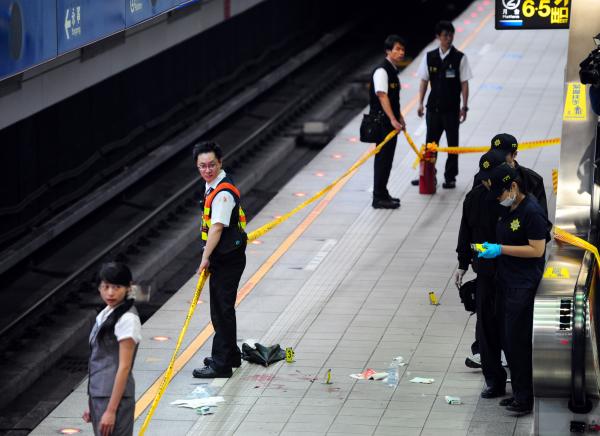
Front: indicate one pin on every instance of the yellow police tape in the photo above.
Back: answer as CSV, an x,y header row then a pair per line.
x,y
555,180
169,372
269,226
526,145
251,237
569,238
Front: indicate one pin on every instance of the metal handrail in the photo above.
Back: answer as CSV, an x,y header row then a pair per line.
x,y
579,401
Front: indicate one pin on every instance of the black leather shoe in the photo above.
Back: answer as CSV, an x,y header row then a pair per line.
x,y
385,204
414,182
493,392
208,362
520,408
449,185
394,199
208,372
505,402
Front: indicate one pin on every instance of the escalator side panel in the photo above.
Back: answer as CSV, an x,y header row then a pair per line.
x,y
552,339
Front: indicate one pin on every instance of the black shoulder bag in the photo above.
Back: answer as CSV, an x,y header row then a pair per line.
x,y
371,127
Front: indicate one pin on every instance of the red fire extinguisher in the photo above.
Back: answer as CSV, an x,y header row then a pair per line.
x,y
427,182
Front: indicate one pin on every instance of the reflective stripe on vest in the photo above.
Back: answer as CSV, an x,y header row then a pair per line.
x,y
207,208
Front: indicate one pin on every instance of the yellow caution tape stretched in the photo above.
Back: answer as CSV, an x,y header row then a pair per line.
x,y
169,371
567,237
555,180
251,237
269,226
526,145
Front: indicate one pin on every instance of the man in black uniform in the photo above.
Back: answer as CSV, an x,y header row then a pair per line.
x,y
385,98
533,183
448,71
224,256
478,224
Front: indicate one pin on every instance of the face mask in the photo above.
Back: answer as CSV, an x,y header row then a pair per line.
x,y
508,201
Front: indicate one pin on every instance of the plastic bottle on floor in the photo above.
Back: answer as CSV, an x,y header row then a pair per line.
x,y
392,378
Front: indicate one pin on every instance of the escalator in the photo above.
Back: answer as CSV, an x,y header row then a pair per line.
x,y
566,326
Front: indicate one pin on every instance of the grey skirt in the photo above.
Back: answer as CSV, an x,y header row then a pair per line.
x,y
124,420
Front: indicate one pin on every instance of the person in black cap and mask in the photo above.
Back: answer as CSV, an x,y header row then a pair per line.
x,y
532,181
521,236
478,224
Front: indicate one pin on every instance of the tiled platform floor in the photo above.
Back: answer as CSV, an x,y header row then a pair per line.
x,y
352,292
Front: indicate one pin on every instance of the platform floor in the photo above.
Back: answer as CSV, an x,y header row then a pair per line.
x,y
352,292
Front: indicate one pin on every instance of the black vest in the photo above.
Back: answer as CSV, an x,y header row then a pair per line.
x,y
393,90
445,80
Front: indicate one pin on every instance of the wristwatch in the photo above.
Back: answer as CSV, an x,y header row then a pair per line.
x,y
465,108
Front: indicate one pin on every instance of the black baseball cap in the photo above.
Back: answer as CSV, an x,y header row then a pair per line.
x,y
489,161
505,141
501,179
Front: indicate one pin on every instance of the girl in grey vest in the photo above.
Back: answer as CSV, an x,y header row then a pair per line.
x,y
113,343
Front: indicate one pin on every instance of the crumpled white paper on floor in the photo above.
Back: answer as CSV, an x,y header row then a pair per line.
x,y
198,402
423,380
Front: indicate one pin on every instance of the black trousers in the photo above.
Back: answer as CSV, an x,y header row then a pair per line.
x,y
438,123
382,168
517,311
225,274
489,332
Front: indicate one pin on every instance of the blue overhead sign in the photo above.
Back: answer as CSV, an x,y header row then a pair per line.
x,y
140,10
35,31
80,22
27,34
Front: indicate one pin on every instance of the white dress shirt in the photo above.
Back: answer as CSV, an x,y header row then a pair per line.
x,y
222,204
380,79
465,69
128,326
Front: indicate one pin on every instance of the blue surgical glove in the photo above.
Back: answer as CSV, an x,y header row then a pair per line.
x,y
490,251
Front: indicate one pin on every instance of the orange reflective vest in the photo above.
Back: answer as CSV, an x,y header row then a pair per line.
x,y
235,234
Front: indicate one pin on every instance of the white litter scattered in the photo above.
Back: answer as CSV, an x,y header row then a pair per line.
x,y
370,374
453,400
198,402
423,380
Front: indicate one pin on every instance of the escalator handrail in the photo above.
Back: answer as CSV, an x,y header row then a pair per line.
x,y
579,402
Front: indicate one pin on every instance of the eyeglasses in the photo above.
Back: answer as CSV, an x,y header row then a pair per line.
x,y
210,166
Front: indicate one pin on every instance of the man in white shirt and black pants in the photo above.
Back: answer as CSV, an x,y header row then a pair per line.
x,y
385,97
224,256
448,71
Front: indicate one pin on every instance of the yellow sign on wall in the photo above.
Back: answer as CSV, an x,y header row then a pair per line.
x,y
575,103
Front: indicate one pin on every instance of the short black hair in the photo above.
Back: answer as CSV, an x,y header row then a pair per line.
x,y
207,147
444,25
115,273
392,40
